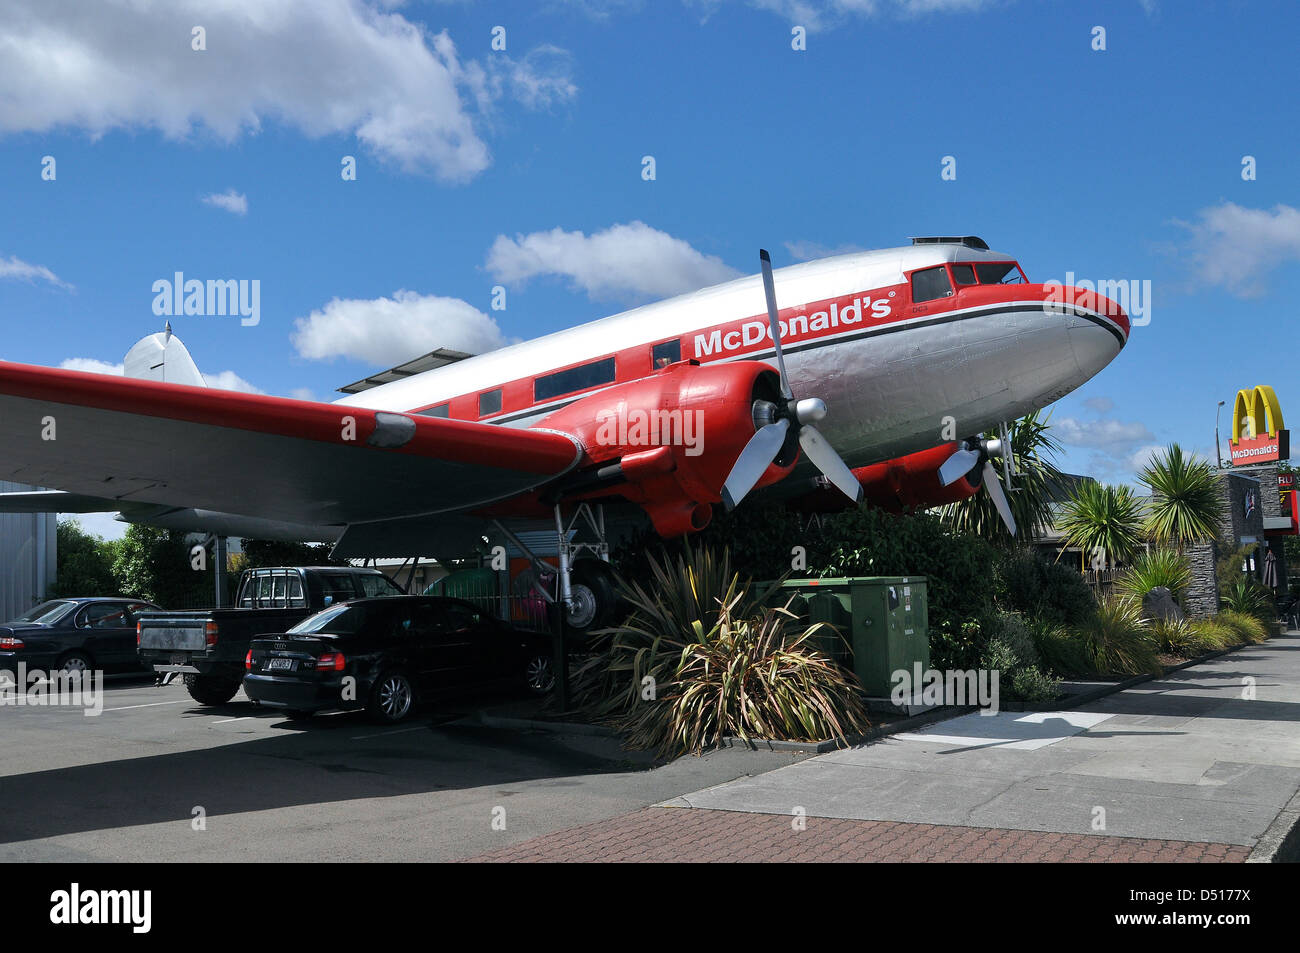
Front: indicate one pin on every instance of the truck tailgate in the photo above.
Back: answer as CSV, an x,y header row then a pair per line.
x,y
173,635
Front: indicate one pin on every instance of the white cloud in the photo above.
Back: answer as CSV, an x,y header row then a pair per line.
x,y
822,14
631,260
14,267
224,380
1235,247
389,331
1110,434
324,67
229,380
302,393
543,78
1138,460
90,366
236,203
104,525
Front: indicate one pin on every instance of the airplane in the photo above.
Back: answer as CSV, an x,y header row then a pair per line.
x,y
857,386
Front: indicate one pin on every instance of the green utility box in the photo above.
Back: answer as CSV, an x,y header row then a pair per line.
x,y
884,620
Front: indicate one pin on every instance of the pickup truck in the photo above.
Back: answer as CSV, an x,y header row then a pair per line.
x,y
208,645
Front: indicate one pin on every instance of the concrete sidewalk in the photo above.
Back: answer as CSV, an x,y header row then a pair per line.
x,y
1202,764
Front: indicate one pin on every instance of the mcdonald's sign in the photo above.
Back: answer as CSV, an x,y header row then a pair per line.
x,y
1258,434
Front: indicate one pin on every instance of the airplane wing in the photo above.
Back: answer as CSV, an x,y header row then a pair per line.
x,y
117,440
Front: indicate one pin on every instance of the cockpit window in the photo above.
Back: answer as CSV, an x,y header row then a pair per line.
x,y
999,273
930,284
963,274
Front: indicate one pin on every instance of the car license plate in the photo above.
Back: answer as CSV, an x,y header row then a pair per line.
x,y
281,665
180,660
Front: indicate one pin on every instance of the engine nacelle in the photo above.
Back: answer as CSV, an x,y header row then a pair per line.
x,y
668,441
904,483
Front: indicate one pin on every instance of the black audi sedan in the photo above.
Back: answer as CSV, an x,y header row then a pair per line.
x,y
389,654
74,635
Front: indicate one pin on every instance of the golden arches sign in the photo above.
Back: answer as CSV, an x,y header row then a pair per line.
x,y
1253,407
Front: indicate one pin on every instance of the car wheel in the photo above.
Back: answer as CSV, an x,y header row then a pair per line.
x,y
210,689
75,663
391,698
540,674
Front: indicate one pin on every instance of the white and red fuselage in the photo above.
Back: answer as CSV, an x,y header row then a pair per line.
x,y
907,346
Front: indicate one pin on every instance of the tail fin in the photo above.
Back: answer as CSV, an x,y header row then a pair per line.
x,y
162,357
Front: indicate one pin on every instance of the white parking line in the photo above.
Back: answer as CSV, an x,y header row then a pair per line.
x,y
222,721
183,701
399,731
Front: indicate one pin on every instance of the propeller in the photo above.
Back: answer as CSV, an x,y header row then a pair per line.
x,y
774,422
980,453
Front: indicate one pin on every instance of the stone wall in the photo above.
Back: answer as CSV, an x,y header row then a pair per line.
x,y
1202,598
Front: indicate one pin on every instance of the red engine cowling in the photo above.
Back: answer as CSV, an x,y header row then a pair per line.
x,y
904,483
675,436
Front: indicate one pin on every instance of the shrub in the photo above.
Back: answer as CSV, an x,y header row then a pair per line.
x,y
713,670
1117,640
1246,627
1016,679
1027,583
1159,567
1011,629
1061,650
1188,639
1248,597
1214,634
1032,684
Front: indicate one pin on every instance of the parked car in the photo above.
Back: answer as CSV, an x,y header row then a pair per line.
x,y
74,635
208,645
388,655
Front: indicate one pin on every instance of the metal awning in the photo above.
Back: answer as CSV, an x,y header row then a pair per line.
x,y
427,362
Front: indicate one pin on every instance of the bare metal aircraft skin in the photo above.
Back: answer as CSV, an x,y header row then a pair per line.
x,y
860,377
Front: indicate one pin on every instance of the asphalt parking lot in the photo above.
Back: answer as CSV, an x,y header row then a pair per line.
x,y
132,783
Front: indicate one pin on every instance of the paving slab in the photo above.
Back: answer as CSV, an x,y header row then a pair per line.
x,y
1207,754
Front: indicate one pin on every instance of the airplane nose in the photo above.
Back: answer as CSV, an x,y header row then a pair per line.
x,y
1094,345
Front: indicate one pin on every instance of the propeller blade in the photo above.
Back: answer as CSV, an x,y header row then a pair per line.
x,y
957,466
999,498
825,459
757,456
769,290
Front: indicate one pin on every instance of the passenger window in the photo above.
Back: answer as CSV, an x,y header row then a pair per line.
x,y
375,586
963,274
575,378
264,585
296,598
279,596
930,284
489,402
669,352
442,410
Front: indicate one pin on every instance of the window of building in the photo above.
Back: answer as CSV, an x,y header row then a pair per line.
x,y
929,284
489,402
592,374
669,352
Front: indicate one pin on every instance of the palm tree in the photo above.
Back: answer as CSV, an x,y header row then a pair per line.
x,y
1184,498
1032,447
1102,519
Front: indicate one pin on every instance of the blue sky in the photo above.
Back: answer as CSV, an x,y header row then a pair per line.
x,y
523,167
